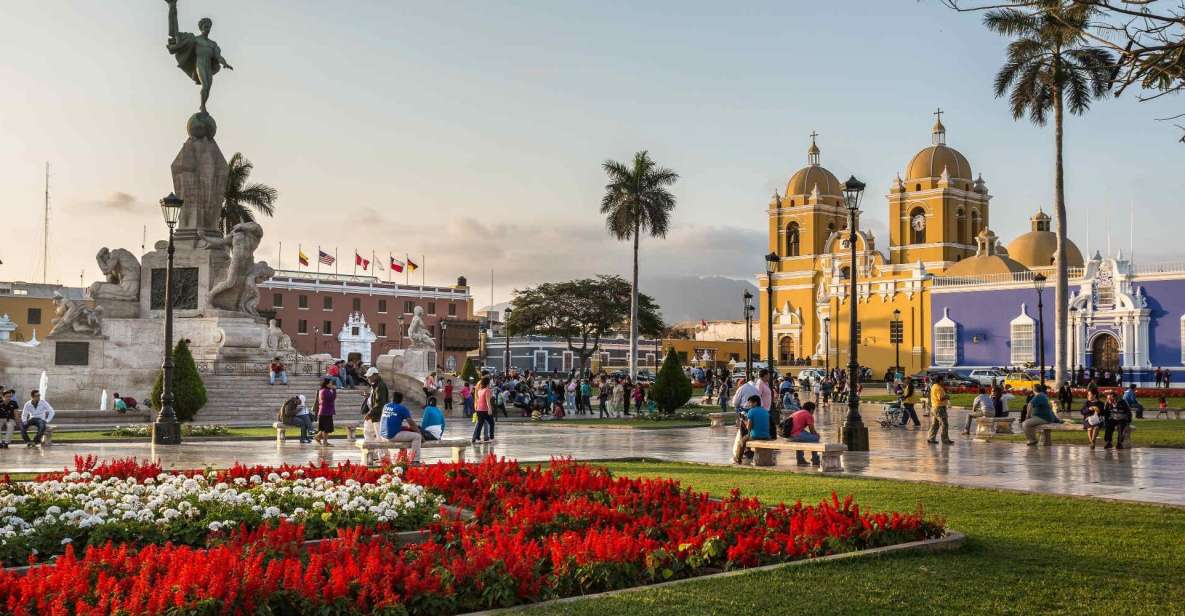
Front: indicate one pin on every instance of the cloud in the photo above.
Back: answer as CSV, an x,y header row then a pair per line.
x,y
118,201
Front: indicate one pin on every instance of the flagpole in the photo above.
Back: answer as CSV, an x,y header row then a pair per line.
x,y
423,271
279,257
357,258
406,271
389,266
336,262
373,261
318,261
298,253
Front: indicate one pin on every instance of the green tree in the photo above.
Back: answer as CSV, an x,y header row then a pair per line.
x,y
1051,67
189,392
469,370
672,388
637,201
582,312
240,197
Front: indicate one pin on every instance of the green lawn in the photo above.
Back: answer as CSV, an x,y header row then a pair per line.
x,y
1025,554
257,433
1148,433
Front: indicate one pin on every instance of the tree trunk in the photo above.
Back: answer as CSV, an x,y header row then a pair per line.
x,y
1061,296
634,306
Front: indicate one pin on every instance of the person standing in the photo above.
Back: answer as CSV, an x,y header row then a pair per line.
x,y
277,371
1040,413
467,398
1118,419
618,396
326,409
724,392
8,417
38,413
939,402
1065,399
448,396
746,390
585,396
485,419
376,399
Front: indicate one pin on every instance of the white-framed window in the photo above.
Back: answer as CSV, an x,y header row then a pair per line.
x,y
540,361
450,363
569,361
946,341
604,358
1023,331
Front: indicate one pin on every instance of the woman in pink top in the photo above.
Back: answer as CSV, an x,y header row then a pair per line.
x,y
485,419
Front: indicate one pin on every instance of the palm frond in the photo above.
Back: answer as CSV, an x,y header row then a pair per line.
x,y
1010,22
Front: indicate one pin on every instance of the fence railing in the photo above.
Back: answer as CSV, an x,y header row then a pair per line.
x,y
1168,267
294,367
1002,278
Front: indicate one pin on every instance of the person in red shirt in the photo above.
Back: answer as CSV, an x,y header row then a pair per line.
x,y
277,371
335,373
448,395
800,428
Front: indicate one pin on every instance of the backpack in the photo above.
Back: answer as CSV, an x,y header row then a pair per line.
x,y
288,409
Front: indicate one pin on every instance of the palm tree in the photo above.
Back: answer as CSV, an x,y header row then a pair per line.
x,y
241,197
637,201
1049,66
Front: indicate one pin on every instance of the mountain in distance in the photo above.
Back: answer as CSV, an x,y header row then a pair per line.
x,y
708,298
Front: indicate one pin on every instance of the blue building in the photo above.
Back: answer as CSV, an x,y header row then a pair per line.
x,y
551,355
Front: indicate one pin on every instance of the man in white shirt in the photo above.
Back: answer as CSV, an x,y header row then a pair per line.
x,y
37,412
740,398
981,406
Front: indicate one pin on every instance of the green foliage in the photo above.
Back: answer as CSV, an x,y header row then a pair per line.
x,y
189,393
469,370
240,197
636,198
672,388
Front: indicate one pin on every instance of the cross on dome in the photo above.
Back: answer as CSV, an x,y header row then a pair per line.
x,y
939,131
812,153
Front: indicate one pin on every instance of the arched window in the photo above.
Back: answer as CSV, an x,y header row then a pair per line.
x,y
1023,333
946,341
961,226
792,242
792,203
976,224
830,227
917,226
917,187
845,272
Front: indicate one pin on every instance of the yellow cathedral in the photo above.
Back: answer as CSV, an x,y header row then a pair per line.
x,y
938,217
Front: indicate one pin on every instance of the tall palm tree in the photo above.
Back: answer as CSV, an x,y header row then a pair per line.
x,y
240,197
1050,66
637,201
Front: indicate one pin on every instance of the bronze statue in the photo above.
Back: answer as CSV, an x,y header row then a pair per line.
x,y
197,55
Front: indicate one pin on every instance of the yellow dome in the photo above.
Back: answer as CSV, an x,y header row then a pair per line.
x,y
930,162
803,182
1036,248
984,264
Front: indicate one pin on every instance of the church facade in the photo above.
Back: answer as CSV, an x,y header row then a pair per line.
x,y
946,292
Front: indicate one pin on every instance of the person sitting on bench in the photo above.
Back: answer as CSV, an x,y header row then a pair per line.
x,y
800,428
432,421
752,425
397,426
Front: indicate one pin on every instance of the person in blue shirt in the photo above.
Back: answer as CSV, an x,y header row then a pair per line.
x,y
1129,397
752,425
396,425
432,422
1042,413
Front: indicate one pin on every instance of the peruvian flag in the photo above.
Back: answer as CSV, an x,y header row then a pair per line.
x,y
396,265
358,260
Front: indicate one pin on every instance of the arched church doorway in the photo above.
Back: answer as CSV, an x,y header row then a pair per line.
x,y
786,350
1104,353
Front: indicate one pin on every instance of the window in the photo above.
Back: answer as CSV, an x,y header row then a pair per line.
x,y
279,324
961,227
896,333
856,336
946,341
34,316
792,246
354,331
356,304
383,306
450,363
277,300
604,358
917,226
302,302
327,302
568,361
650,356
382,330
452,310
976,224
302,327
1023,330
540,361
327,328
431,307
409,307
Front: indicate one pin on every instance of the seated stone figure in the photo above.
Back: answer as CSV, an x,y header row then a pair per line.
x,y
420,337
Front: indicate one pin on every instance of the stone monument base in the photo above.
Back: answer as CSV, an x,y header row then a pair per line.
x,y
414,362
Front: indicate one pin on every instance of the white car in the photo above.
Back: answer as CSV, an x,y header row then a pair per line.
x,y
985,376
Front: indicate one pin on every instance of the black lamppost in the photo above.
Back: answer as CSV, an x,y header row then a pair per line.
x,y
166,430
316,338
1039,284
400,320
896,335
443,332
771,263
855,434
506,333
748,335
827,345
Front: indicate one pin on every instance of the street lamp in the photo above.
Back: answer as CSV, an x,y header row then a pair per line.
x,y
896,335
855,435
1039,284
748,335
506,333
316,338
400,320
827,345
771,264
166,430
443,333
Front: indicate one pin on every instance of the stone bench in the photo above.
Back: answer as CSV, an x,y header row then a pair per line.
x,y
281,428
1047,430
371,450
1176,412
829,452
987,427
716,420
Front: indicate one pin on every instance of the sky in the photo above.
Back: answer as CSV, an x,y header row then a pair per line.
x,y
472,133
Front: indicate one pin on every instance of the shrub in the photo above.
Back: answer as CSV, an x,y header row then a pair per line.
x,y
469,371
189,393
672,388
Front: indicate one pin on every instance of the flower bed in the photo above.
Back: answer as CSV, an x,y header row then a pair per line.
x,y
187,429
538,534
127,502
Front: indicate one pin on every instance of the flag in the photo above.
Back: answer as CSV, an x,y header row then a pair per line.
x,y
396,265
703,323
411,265
325,257
358,260
302,258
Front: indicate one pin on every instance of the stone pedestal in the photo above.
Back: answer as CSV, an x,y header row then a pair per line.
x,y
199,178
195,271
414,362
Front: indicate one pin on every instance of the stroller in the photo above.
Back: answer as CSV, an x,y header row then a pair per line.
x,y
892,416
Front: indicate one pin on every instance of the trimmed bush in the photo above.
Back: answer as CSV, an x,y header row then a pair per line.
x,y
672,388
469,371
189,392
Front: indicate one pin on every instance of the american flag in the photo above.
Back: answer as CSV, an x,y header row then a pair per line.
x,y
325,257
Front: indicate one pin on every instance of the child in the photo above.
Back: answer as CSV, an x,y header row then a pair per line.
x,y
1163,406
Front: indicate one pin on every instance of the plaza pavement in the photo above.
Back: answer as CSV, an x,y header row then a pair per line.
x,y
1143,474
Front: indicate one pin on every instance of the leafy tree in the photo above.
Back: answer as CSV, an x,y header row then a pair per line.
x,y
672,388
582,312
189,393
1049,65
637,201
240,197
469,370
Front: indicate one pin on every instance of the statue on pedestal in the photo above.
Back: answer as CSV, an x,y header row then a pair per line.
x,y
418,333
197,55
73,316
230,293
119,294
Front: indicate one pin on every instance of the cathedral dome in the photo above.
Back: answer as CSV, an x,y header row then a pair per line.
x,y
987,259
805,180
931,161
1037,247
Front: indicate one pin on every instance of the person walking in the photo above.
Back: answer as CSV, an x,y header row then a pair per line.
x,y
724,392
376,399
37,413
485,419
8,417
1117,420
1040,413
603,397
939,403
467,398
585,397
326,407
909,400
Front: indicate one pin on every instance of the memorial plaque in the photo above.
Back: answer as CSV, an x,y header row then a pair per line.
x,y
185,288
72,353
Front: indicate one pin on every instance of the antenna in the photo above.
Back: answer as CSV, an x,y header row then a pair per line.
x,y
45,231
143,239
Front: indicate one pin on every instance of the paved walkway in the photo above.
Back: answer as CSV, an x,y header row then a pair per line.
x,y
1142,474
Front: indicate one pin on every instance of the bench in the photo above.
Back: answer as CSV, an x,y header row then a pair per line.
x,y
1047,430
829,452
987,427
371,450
716,420
280,428
1176,412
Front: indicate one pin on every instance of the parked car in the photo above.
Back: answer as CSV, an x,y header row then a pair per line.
x,y
986,376
950,378
1021,381
810,375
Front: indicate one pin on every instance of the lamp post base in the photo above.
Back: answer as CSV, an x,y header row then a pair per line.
x,y
166,433
854,434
